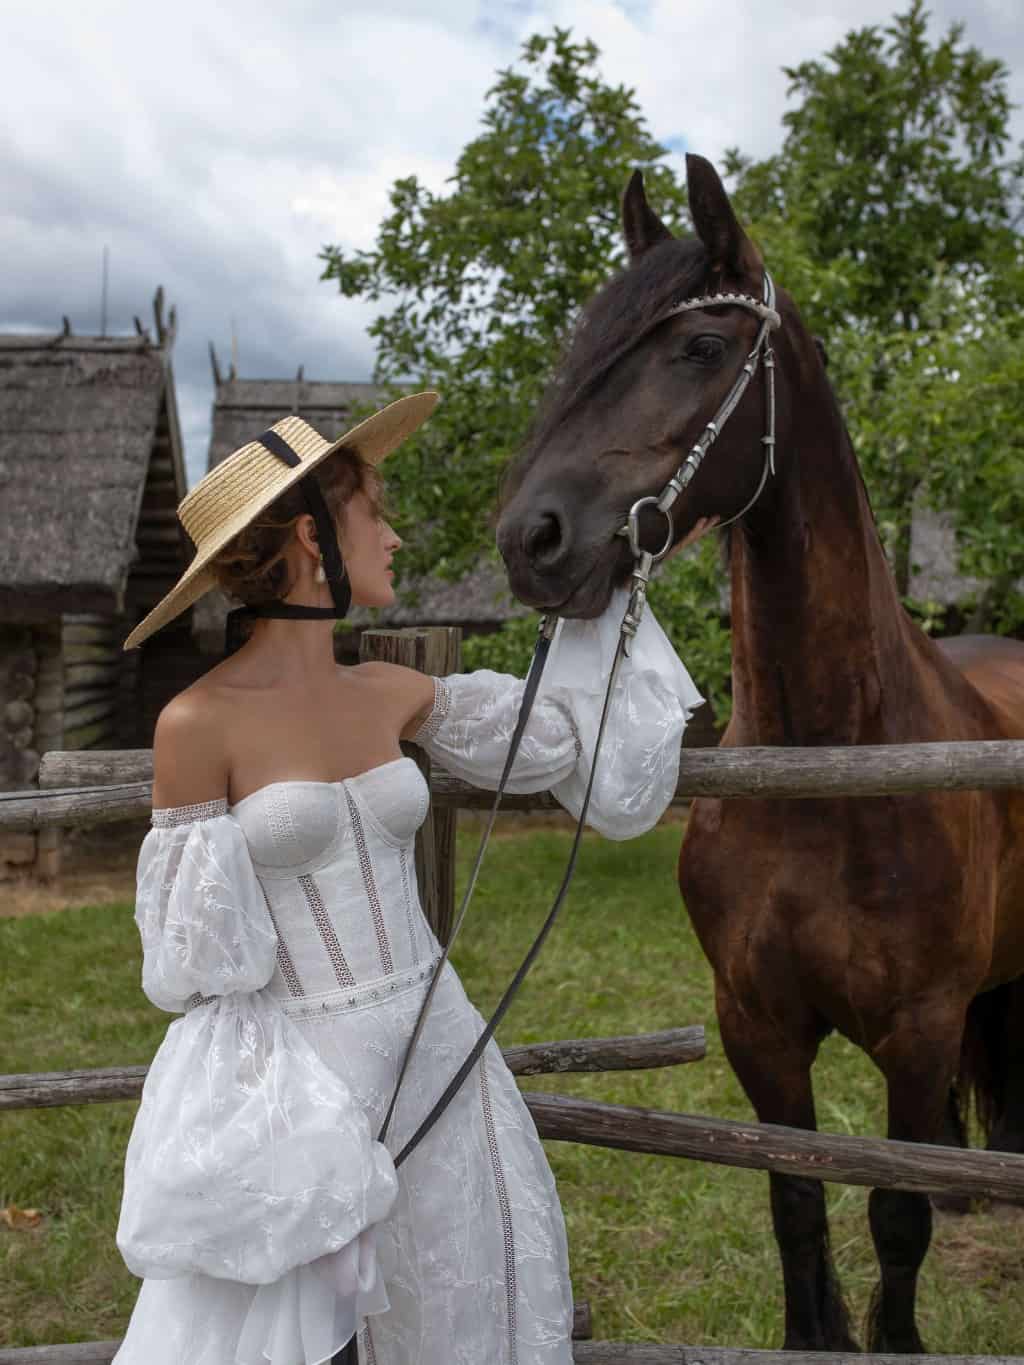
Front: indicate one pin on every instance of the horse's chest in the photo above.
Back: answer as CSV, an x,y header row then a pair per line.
x,y
843,907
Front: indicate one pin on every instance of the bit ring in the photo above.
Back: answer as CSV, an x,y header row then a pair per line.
x,y
632,528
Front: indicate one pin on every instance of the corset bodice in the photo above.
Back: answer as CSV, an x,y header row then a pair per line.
x,y
335,862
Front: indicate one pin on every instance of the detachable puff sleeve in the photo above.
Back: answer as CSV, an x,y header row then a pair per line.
x,y
470,727
201,914
250,1159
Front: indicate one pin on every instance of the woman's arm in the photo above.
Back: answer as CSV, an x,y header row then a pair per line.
x,y
189,759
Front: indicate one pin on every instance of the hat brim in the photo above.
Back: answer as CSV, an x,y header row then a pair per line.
x,y
374,438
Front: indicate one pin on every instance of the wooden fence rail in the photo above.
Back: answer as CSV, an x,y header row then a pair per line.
x,y
637,1052
584,1353
103,792
863,770
838,1157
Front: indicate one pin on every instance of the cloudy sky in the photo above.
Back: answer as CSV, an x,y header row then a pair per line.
x,y
215,147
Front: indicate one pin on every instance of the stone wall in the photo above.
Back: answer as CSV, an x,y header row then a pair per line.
x,y
31,721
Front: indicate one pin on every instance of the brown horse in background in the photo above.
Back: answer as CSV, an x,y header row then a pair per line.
x,y
897,921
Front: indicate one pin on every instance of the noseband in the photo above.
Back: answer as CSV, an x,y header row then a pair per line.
x,y
665,500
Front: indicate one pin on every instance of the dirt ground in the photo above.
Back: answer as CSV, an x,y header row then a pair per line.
x,y
97,867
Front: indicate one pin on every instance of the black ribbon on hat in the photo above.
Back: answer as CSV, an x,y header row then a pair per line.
x,y
330,551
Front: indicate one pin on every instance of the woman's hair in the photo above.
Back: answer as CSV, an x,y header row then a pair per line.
x,y
252,566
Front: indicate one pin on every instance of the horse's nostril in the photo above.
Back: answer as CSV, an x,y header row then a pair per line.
x,y
543,541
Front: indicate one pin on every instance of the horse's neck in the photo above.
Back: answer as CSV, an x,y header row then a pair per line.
x,y
819,637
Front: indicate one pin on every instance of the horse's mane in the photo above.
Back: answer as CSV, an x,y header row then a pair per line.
x,y
612,323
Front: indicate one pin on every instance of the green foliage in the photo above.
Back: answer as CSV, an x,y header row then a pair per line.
x,y
507,650
938,413
689,595
888,214
486,278
894,161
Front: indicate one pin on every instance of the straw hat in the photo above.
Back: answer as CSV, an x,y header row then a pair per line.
x,y
237,490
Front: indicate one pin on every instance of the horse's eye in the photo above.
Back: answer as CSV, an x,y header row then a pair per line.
x,y
706,349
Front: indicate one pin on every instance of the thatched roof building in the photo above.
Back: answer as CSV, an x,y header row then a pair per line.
x,y
90,459
242,408
91,472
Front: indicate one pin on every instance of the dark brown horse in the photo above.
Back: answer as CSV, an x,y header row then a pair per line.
x,y
899,922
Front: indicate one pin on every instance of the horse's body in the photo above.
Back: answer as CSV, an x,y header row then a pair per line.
x,y
884,918
880,917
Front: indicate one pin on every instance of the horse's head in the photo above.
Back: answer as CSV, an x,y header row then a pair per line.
x,y
633,393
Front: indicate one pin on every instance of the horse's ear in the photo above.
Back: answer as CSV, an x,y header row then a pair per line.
x,y
640,224
730,249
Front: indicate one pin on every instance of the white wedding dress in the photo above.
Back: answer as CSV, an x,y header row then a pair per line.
x,y
266,1220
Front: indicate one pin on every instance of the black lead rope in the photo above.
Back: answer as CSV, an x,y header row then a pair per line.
x,y
455,1084
349,1353
540,655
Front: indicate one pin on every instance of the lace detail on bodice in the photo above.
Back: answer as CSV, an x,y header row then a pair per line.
x,y
332,860
438,713
170,816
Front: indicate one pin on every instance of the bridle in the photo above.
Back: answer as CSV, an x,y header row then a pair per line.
x,y
664,501
645,560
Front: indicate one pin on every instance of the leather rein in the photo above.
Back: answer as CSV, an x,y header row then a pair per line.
x,y
644,562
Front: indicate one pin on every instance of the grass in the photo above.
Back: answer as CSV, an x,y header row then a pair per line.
x,y
664,1250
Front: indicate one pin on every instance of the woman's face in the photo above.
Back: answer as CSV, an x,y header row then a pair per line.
x,y
368,545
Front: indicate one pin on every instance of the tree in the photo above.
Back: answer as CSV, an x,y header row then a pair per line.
x,y
893,201
487,278
950,424
894,162
888,214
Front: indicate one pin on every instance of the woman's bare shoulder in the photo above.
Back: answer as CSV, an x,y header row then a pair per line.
x,y
410,692
189,758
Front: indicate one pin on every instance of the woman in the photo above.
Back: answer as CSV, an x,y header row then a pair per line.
x,y
278,911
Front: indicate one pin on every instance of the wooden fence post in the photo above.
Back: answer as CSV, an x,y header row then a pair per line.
x,y
435,650
49,734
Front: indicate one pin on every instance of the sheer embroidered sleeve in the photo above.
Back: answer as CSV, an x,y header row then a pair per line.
x,y
250,1159
470,726
201,914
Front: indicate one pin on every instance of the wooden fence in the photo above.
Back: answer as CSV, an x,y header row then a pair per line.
x,y
92,788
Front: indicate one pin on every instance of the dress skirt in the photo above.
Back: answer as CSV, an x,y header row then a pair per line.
x,y
473,1256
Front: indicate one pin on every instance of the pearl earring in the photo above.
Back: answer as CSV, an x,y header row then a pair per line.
x,y
320,576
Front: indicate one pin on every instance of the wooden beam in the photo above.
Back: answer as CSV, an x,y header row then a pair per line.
x,y
754,772
638,1052
584,1353
101,767
840,1158
79,675
80,806
51,1089
642,1353
101,732
102,1352
88,707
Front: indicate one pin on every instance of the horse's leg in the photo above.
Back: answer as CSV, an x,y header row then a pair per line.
x,y
1007,1061
954,1134
775,1072
918,1063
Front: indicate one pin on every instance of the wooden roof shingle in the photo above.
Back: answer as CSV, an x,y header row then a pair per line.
x,y
78,424
242,408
